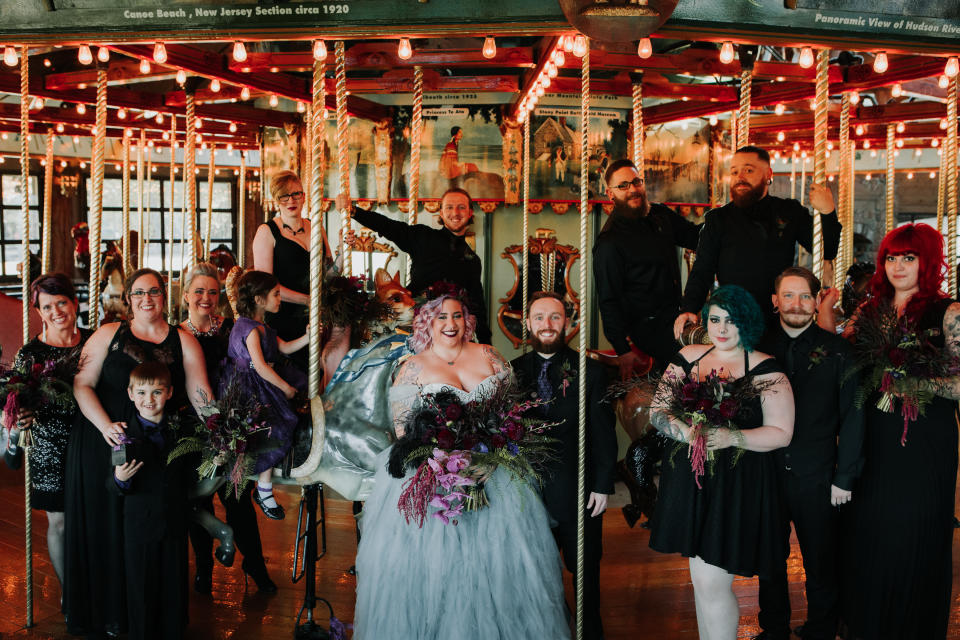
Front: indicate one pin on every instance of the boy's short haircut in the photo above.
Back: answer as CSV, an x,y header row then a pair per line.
x,y
151,372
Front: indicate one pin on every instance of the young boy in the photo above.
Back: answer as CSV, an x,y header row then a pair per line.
x,y
155,511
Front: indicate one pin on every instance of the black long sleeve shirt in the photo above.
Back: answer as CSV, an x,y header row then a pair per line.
x,y
750,247
435,254
828,429
636,269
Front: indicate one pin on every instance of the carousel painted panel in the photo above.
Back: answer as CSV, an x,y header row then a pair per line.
x,y
676,158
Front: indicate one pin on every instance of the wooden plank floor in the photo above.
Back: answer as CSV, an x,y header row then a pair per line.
x,y
645,594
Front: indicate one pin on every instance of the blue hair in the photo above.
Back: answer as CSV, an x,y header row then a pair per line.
x,y
744,312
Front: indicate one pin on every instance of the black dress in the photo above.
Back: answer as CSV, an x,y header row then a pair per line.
x,y
94,598
899,525
291,266
733,522
51,430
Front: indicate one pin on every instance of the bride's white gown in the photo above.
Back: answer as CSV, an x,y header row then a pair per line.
x,y
495,575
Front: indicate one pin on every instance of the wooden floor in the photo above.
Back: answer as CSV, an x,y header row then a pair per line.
x,y
645,594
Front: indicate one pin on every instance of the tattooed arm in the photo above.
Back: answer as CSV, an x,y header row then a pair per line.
x,y
402,401
950,387
659,418
497,363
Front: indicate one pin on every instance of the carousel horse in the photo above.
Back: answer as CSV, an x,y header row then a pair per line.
x,y
80,233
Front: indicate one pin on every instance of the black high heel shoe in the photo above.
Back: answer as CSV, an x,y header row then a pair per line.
x,y
260,577
274,513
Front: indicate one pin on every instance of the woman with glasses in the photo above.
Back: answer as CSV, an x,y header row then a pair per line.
x,y
95,590
282,247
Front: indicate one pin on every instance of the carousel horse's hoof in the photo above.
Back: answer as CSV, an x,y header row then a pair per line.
x,y
224,555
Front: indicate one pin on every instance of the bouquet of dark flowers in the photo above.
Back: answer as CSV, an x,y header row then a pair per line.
x,y
30,384
231,433
897,359
344,302
454,445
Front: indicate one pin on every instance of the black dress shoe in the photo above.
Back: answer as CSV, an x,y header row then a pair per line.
x,y
203,582
260,577
274,513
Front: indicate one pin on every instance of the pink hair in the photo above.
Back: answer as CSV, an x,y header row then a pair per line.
x,y
421,339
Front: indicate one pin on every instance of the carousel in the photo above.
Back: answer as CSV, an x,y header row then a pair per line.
x,y
136,136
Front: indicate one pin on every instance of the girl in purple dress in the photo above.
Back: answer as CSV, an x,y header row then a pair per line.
x,y
254,349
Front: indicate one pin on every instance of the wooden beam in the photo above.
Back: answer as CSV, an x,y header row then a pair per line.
x,y
119,70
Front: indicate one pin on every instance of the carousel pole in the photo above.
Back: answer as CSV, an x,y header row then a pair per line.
x,y
145,233
820,124
211,171
891,177
26,441
141,149
637,151
525,275
847,231
96,173
125,200
190,179
743,119
416,137
951,185
941,188
318,126
46,240
584,304
342,161
793,176
843,185
242,212
803,178
172,209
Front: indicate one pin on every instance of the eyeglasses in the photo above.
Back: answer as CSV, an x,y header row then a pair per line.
x,y
153,293
623,186
284,199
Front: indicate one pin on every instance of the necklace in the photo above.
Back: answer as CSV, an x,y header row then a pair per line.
x,y
449,362
212,331
291,229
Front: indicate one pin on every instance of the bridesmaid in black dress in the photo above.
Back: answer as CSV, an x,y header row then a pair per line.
x,y
898,552
52,294
201,293
94,591
729,526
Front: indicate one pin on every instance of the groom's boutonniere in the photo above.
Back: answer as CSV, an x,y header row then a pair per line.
x,y
568,373
817,356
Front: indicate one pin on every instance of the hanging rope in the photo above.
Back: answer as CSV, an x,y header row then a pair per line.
x,y
343,162
584,304
46,241
145,236
96,173
172,211
125,200
891,177
743,121
416,136
318,129
26,444
141,149
190,182
941,187
951,185
242,213
843,185
525,275
803,178
820,124
211,172
637,79
847,231
793,176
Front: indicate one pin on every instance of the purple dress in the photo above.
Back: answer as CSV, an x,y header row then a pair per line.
x,y
282,420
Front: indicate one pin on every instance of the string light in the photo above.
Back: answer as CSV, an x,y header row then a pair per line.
x,y
859,130
781,137
84,55
489,50
10,56
854,97
866,144
47,63
181,76
644,48
199,123
868,177
880,63
540,91
319,50
245,93
82,109
901,127
274,101
551,69
899,142
159,53
566,43
76,140
301,107
144,66
779,109
580,46
713,121
933,175
952,67
558,58
122,113
829,145
943,81
404,50
215,85
943,123
63,163
935,143
873,153
910,175
897,90
545,80
917,153
239,51
806,57
159,118
726,52
60,127
233,127
103,54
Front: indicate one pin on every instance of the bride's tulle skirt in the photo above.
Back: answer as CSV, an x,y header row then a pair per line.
x,y
495,575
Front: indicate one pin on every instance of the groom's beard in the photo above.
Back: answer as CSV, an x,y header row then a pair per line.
x,y
744,199
553,346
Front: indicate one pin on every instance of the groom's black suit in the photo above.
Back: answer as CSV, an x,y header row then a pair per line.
x,y
560,481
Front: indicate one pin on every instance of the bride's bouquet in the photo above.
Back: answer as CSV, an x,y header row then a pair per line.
x,y
897,359
454,445
30,384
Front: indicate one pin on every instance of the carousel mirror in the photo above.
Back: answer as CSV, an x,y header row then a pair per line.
x,y
369,255
549,270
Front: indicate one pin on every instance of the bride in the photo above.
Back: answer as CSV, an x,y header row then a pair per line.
x,y
495,574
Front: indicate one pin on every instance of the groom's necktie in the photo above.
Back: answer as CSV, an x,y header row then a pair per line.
x,y
544,390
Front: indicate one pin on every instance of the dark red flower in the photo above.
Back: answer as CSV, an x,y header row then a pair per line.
x,y
497,440
445,439
728,408
213,422
897,356
453,411
704,404
689,392
514,431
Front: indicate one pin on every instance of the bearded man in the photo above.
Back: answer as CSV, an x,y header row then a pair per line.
x,y
750,240
551,372
636,269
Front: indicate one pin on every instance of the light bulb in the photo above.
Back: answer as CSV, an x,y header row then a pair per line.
x,y
781,137
10,56
233,127
580,46
901,127
144,66
122,113
897,90
274,101
830,177
63,164
868,177
713,121
540,91
245,93
899,142
301,107
952,67
935,143
215,85
47,63
796,147
726,52
239,51
489,47
60,127
165,135
829,145
943,123
84,55
159,53
103,54
854,97
933,175
779,109
82,109
866,144
545,80
521,116
644,48
199,123
910,175
566,43
880,63
230,147
39,103
404,50
181,76
943,81
159,119
873,152
806,57
859,130
319,51
551,69
559,58
76,140
828,154
917,153
128,132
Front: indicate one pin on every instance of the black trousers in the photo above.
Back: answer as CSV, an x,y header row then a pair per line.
x,y
157,587
566,536
654,336
807,505
242,517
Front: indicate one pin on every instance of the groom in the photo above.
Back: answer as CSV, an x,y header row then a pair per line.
x,y
550,371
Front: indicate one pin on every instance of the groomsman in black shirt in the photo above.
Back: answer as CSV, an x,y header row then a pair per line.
x,y
817,470
551,372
